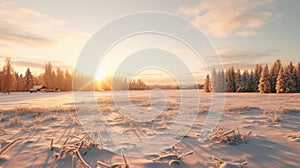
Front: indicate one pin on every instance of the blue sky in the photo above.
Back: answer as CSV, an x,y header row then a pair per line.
x,y
243,32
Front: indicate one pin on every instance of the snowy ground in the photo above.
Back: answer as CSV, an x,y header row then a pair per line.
x,y
40,117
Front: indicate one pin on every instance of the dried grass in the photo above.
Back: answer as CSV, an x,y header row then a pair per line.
x,y
232,137
173,156
274,117
9,145
219,163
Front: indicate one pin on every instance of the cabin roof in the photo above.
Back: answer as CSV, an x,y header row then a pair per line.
x,y
38,87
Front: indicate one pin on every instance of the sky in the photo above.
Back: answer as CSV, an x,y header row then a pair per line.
x,y
242,32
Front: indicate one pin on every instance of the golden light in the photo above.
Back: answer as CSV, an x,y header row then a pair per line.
x,y
101,74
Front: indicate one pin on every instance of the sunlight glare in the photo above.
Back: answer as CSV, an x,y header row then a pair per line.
x,y
101,74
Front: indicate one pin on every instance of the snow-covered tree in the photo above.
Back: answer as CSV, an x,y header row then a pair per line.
x,y
28,81
244,85
257,73
48,75
7,77
136,84
251,82
1,74
238,80
274,74
280,82
298,77
60,79
264,81
68,81
53,82
230,80
222,81
207,84
214,81
290,78
18,84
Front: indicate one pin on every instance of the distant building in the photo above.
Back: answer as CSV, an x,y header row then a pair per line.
x,y
37,88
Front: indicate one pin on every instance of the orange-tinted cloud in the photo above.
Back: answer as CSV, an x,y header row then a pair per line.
x,y
26,27
222,18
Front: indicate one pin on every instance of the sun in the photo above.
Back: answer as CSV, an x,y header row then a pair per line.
x,y
101,74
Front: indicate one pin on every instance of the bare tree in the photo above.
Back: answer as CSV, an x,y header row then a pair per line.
x,y
48,75
7,77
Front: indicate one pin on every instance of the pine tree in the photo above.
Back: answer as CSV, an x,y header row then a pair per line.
x,y
53,80
274,74
1,75
207,84
238,80
68,80
48,75
264,83
28,80
290,79
214,81
280,82
7,77
245,82
230,80
298,77
222,82
60,79
257,73
252,87
18,82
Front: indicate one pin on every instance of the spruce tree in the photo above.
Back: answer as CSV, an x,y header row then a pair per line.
x,y
214,81
18,82
290,81
28,80
280,82
207,84
298,77
222,82
252,86
264,83
274,74
68,81
230,80
238,80
257,73
60,79
48,75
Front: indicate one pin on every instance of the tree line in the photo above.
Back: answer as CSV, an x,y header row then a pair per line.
x,y
12,81
277,79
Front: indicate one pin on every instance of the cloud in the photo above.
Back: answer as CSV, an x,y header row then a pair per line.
x,y
9,34
222,18
28,33
27,64
38,64
245,33
26,27
245,58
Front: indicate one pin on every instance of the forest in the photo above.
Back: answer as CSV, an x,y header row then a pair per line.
x,y
12,81
277,79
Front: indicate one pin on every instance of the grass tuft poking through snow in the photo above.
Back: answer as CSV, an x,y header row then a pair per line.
x,y
9,145
274,117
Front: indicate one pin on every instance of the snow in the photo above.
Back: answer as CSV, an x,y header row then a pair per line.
x,y
39,117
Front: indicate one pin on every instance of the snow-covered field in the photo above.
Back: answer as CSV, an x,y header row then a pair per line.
x,y
39,118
